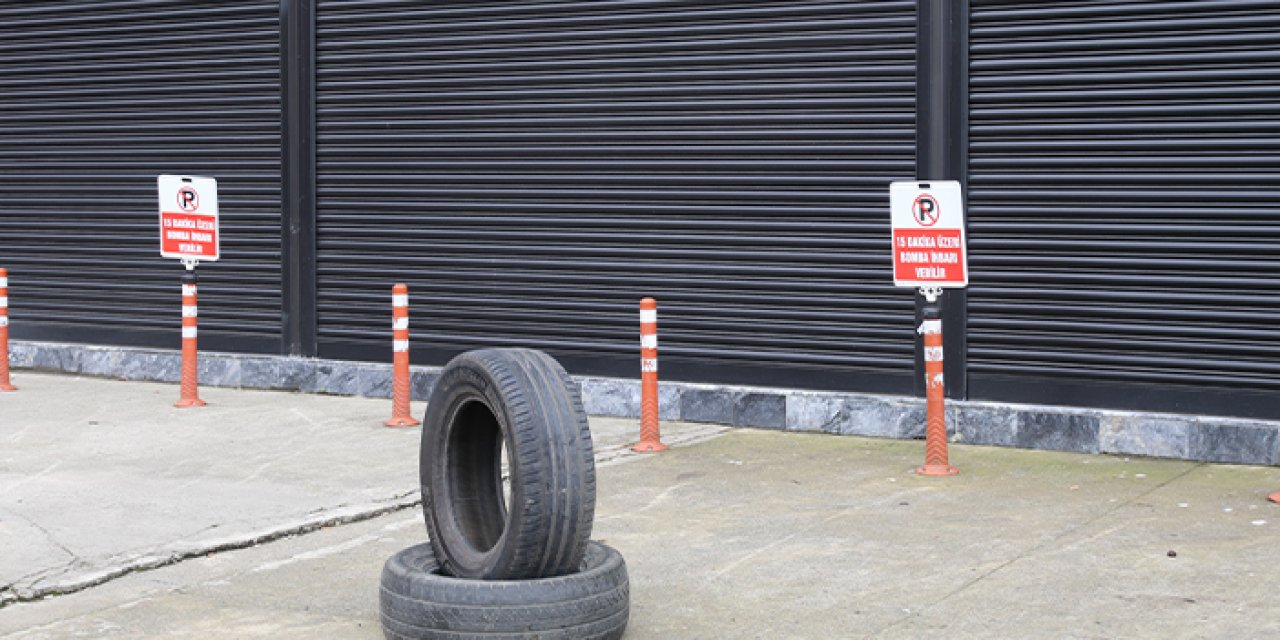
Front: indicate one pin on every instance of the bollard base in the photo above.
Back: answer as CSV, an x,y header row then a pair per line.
x,y
937,470
1275,497
401,422
649,447
188,403
7,387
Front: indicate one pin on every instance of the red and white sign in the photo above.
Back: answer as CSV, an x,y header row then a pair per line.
x,y
928,234
189,218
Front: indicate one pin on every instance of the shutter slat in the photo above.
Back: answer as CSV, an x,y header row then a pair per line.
x,y
532,171
89,117
1125,194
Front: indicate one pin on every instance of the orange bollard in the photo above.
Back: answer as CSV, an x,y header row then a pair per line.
x,y
4,332
1275,497
650,436
935,446
190,362
401,416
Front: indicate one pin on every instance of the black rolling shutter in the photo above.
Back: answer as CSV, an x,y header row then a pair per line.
x,y
96,100
1124,225
532,169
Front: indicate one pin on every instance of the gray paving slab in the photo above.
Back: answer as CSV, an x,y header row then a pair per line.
x,y
98,477
101,477
322,584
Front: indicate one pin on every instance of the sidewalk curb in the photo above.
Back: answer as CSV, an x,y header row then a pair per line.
x,y
1082,430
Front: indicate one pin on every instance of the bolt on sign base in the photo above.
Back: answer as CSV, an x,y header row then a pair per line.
x,y
1275,497
194,402
649,447
937,470
401,422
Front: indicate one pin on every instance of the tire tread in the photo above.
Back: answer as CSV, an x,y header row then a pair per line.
x,y
552,465
417,601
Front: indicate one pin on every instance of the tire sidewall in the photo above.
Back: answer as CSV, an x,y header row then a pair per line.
x,y
464,380
417,600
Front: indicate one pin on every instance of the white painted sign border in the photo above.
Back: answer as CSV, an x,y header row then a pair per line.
x,y
168,186
947,193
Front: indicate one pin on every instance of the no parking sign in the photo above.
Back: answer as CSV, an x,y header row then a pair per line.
x,y
928,234
189,218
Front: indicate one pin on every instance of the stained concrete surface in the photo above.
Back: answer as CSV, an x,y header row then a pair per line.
x,y
752,534
101,477
98,476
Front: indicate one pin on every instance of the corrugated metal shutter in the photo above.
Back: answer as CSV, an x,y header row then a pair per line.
x,y
532,169
96,100
1124,225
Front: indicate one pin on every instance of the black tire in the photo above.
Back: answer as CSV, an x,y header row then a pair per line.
x,y
521,399
417,601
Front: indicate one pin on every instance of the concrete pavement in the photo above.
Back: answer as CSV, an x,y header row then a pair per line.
x,y
732,534
99,477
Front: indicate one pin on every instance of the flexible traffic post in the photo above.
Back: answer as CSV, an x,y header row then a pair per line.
x,y
935,445
190,363
4,332
401,415
650,435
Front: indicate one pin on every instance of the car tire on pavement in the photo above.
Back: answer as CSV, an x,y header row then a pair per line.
x,y
417,601
520,401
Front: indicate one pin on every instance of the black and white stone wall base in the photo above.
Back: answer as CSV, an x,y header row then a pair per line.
x,y
1191,437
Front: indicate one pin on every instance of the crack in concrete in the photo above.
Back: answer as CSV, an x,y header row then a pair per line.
x,y
47,535
1035,549
12,593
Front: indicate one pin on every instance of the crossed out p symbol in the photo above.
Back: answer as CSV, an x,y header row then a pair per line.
x,y
188,199
925,210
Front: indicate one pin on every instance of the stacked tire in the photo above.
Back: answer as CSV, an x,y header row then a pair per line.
x,y
507,559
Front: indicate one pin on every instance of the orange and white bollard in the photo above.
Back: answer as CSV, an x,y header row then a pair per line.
x,y
401,415
935,437
4,332
190,362
650,435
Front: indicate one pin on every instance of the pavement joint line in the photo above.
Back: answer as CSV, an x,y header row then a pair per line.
x,y
1037,548
619,453
12,594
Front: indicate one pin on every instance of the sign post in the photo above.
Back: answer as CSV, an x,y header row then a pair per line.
x,y
189,232
5,384
929,252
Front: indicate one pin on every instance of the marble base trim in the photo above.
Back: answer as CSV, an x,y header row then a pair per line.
x,y
1085,430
